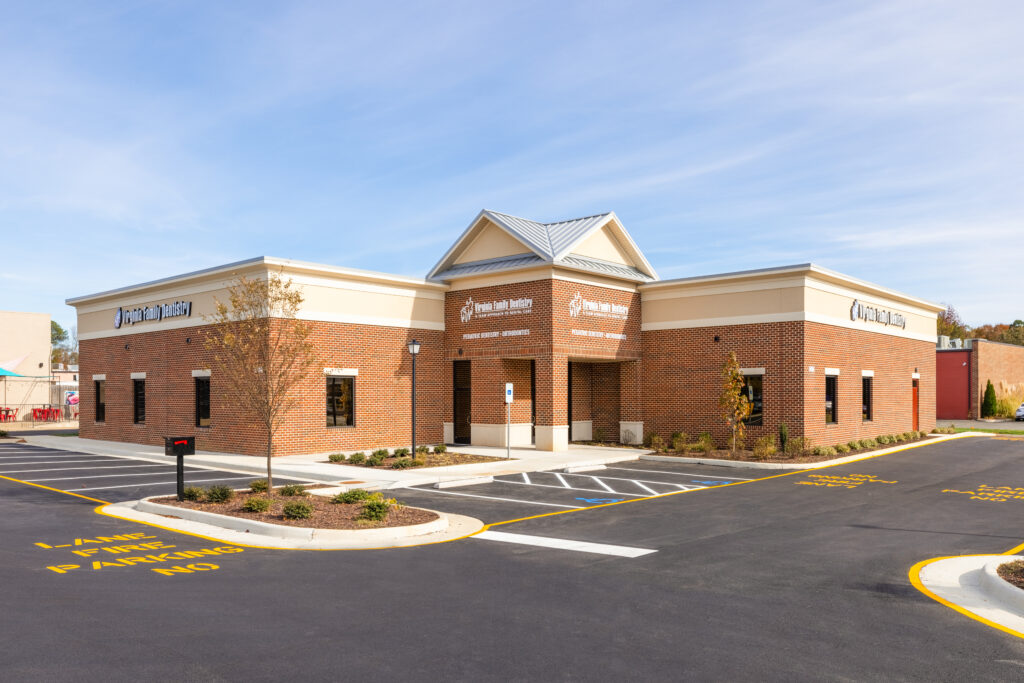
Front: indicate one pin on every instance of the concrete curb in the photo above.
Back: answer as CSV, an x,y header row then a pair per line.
x,y
808,465
963,583
450,484
998,589
250,533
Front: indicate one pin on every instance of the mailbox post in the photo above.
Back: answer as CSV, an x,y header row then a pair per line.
x,y
180,446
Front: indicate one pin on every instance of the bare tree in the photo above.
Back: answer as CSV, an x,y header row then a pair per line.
x,y
735,405
260,351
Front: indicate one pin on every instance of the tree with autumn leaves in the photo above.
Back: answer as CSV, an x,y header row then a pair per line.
x,y
260,352
733,402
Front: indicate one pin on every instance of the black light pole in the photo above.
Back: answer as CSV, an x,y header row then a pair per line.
x,y
414,349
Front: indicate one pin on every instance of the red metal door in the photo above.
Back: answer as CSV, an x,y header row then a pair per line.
x,y
952,385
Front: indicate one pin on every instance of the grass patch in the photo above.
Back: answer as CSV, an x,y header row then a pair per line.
x,y
960,430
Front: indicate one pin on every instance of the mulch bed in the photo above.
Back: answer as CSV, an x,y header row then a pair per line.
x,y
1013,572
428,460
748,456
326,515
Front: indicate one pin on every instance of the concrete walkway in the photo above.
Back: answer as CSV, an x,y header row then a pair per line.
x,y
315,467
999,423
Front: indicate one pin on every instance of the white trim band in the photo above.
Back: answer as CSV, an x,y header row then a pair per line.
x,y
99,378
834,372
751,371
867,373
200,373
915,375
341,372
138,375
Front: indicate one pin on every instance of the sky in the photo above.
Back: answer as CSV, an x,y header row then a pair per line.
x,y
885,140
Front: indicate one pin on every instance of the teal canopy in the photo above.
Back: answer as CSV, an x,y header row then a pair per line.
x,y
8,373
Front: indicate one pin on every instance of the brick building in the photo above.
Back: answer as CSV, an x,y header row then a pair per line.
x,y
571,313
964,371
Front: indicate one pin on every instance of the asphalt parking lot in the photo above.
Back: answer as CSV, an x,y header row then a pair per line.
x,y
795,576
107,478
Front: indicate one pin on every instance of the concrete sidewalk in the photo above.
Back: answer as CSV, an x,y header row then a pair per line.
x,y
315,467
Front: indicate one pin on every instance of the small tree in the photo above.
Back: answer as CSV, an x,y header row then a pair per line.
x,y
951,324
734,404
988,404
260,351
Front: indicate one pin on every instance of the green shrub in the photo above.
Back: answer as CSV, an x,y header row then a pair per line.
x,y
3,433
1006,406
258,486
647,440
868,443
679,440
783,435
402,463
352,496
298,510
598,435
219,494
988,404
422,450
193,493
256,504
795,446
853,445
705,442
824,451
899,438
842,448
764,447
885,439
375,460
440,448
357,458
380,453
336,457
401,452
291,490
375,510
657,443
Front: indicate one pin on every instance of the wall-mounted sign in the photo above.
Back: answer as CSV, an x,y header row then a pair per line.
x,y
859,311
496,334
131,316
599,335
494,309
600,309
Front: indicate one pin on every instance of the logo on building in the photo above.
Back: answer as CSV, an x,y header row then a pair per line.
x,y
154,313
859,311
467,311
599,309
495,309
117,318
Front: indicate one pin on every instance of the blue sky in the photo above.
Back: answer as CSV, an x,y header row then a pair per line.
x,y
144,139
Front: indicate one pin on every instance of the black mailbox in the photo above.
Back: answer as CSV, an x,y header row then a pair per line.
x,y
180,445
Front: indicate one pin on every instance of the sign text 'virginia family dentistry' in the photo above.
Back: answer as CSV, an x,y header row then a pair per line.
x,y
859,311
131,316
495,309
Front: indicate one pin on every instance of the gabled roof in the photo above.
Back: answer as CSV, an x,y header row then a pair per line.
x,y
552,244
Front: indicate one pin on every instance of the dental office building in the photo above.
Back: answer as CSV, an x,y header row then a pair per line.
x,y
595,344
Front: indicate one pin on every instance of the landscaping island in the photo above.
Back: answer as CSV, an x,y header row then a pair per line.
x,y
399,458
292,505
1013,572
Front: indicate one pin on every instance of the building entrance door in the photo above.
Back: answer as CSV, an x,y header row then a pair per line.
x,y
917,424
461,400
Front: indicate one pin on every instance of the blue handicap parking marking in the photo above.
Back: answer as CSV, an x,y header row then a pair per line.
x,y
710,482
601,500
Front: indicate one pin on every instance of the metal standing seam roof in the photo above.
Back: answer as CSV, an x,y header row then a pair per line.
x,y
531,260
549,239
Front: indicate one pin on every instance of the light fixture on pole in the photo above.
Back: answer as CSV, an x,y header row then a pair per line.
x,y
414,349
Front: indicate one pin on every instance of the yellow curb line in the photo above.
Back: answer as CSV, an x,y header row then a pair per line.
x,y
915,579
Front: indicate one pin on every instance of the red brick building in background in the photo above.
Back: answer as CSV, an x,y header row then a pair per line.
x,y
571,314
963,372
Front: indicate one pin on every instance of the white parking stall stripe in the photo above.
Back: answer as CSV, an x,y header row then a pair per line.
x,y
603,485
507,500
646,481
53,462
526,478
101,476
561,479
681,474
564,544
155,483
571,488
29,454
645,488
92,469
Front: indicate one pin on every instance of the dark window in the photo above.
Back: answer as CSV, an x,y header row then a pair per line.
x,y
831,398
340,403
101,400
202,401
866,398
139,399
752,389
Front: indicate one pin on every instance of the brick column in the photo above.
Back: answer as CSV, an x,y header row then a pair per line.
x,y
553,403
631,425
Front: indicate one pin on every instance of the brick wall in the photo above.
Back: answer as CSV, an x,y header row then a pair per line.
x,y
1001,363
382,391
